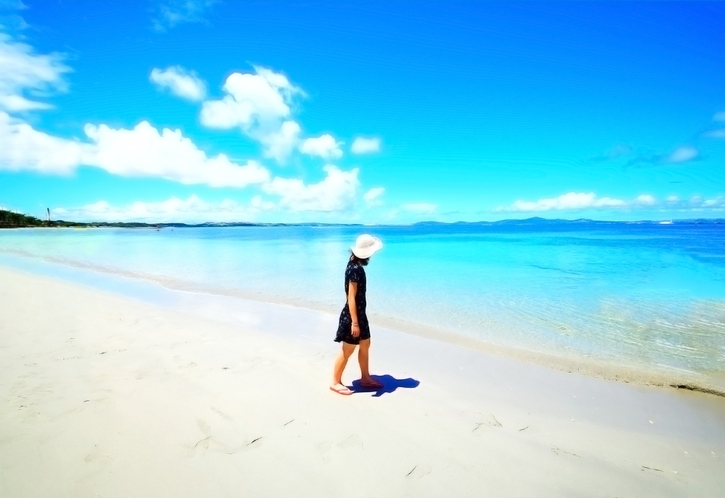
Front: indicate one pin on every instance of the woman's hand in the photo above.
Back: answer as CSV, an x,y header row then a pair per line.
x,y
355,330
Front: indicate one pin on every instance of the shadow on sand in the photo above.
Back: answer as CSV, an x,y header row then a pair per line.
x,y
389,383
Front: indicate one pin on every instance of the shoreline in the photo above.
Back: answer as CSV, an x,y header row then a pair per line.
x,y
591,367
104,394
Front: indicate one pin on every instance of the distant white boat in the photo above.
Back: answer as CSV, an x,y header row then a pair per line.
x,y
669,222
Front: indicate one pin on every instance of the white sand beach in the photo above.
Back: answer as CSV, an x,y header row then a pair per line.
x,y
107,396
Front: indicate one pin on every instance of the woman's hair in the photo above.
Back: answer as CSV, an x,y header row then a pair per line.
x,y
357,260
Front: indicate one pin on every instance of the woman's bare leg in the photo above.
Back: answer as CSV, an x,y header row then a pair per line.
x,y
363,356
340,363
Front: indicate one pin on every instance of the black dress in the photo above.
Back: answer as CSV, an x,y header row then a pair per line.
x,y
354,273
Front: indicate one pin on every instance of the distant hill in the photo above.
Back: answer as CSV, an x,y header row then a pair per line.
x,y
558,221
11,219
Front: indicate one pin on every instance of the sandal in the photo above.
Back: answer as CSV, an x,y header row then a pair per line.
x,y
345,391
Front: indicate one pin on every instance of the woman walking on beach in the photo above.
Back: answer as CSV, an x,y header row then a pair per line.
x,y
353,329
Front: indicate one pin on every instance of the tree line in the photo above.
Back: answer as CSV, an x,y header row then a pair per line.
x,y
11,219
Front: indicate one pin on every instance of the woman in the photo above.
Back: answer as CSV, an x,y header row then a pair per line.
x,y
354,329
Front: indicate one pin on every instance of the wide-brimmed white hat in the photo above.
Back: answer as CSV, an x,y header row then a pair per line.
x,y
366,245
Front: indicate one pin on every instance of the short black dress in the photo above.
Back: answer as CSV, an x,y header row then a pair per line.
x,y
354,273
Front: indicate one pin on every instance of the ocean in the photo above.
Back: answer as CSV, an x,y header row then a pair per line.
x,y
647,296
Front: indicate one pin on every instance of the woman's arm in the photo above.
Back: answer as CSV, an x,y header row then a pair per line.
x,y
351,293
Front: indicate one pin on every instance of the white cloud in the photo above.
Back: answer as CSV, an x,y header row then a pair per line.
x,y
572,200
180,82
698,203
262,98
719,116
142,151
26,74
259,204
672,198
190,210
420,207
362,145
719,133
279,144
374,196
645,200
336,192
718,202
25,149
259,104
174,12
565,202
682,154
145,152
324,146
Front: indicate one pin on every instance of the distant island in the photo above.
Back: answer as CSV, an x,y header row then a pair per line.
x,y
560,221
11,219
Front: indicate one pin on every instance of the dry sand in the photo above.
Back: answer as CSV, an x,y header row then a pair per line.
x,y
102,395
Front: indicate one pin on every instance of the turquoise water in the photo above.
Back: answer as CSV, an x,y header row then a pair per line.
x,y
649,296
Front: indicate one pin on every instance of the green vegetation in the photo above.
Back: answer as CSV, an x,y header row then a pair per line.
x,y
11,219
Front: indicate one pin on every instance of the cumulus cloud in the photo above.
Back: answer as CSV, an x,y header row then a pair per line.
x,y
279,144
146,151
324,146
259,104
24,148
170,13
374,196
180,82
26,76
293,197
420,208
336,192
574,201
565,202
362,145
191,210
142,151
645,200
262,98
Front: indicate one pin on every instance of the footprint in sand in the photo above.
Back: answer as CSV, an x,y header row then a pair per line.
x,y
325,451
203,426
221,413
206,430
490,421
98,459
353,441
419,471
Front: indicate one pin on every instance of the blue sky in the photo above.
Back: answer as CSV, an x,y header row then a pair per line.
x,y
374,112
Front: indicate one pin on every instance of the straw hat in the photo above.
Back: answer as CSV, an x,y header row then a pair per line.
x,y
366,245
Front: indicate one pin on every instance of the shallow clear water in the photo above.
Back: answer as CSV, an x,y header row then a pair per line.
x,y
644,295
